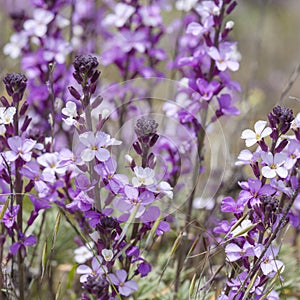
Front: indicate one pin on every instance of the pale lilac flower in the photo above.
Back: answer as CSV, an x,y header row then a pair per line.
x,y
226,57
56,50
162,187
274,165
138,40
257,135
293,154
235,252
132,199
296,122
84,253
107,254
269,263
208,9
198,29
151,15
19,148
144,176
96,269
71,112
185,5
51,164
244,158
82,202
39,24
125,288
17,42
95,145
122,13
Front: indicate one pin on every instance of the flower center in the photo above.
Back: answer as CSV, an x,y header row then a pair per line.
x,y
273,166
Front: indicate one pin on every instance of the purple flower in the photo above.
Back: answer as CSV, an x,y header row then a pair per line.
x,y
225,107
10,216
144,269
125,288
293,153
232,206
81,202
19,148
207,89
252,190
23,241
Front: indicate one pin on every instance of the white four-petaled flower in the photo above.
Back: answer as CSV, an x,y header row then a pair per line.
x,y
251,137
144,176
71,112
275,165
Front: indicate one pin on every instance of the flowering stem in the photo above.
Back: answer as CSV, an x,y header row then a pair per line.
x,y
271,239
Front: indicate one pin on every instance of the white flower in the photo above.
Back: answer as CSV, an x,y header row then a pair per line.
x,y
96,269
163,187
17,42
84,253
185,5
122,13
7,115
39,24
296,122
242,229
274,165
260,132
107,254
144,176
71,112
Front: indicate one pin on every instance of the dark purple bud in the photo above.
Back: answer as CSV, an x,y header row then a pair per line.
x,y
74,92
272,120
274,135
137,147
93,87
78,77
97,102
32,217
4,101
151,161
29,186
15,83
153,140
85,64
256,170
26,123
145,126
285,128
281,146
297,134
95,76
231,7
24,108
263,145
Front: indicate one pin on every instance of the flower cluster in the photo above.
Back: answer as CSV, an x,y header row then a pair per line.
x,y
265,204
